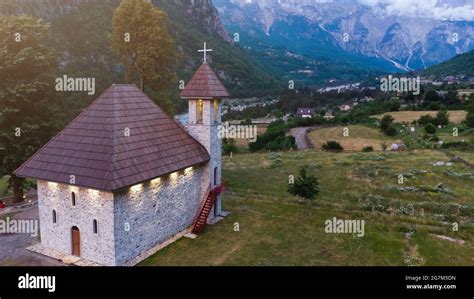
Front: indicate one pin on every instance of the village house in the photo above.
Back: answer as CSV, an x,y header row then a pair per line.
x,y
367,99
442,93
328,116
464,94
123,177
305,112
345,107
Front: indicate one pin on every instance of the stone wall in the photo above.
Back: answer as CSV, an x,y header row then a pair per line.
x,y
90,205
150,213
207,133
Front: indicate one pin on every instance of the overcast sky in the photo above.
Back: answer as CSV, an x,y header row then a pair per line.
x,y
438,9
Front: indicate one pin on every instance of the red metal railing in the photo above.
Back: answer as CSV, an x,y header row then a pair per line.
x,y
207,207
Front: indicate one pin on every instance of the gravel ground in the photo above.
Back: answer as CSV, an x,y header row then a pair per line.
x,y
13,246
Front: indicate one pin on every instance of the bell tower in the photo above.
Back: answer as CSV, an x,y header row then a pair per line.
x,y
204,94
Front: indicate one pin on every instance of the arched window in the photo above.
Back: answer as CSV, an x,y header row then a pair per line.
x,y
55,220
199,111
215,176
216,111
73,199
94,226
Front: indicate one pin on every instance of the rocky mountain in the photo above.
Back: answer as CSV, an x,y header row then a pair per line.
x,y
201,13
407,35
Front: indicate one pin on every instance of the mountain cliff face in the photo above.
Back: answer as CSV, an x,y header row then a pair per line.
x,y
203,14
80,28
375,29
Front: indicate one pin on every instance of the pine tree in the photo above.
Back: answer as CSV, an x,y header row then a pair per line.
x,y
306,186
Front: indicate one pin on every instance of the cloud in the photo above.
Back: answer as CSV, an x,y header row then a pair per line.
x,y
433,9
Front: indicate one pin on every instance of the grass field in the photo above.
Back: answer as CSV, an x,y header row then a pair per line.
x,y
278,229
359,137
420,139
446,134
455,116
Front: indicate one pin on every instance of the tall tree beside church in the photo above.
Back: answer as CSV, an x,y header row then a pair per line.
x,y
141,39
26,93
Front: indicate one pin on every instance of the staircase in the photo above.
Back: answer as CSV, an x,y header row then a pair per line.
x,y
206,208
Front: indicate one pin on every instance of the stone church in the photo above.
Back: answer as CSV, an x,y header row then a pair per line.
x,y
123,178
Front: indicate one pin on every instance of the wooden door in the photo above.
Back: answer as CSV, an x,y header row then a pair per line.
x,y
76,241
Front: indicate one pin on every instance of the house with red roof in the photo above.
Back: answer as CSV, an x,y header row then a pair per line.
x,y
123,178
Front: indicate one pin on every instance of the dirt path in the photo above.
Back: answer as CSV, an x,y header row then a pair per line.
x,y
300,137
300,133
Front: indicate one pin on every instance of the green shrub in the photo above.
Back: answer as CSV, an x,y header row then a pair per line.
x,y
426,119
458,145
367,149
442,118
276,130
391,131
386,122
430,129
333,145
305,121
276,163
470,119
228,146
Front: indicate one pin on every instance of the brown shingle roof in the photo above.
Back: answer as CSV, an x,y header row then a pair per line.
x,y
95,149
204,85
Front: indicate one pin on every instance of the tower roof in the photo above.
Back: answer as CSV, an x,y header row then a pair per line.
x,y
97,150
204,85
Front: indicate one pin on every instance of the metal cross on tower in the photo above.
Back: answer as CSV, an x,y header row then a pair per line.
x,y
205,50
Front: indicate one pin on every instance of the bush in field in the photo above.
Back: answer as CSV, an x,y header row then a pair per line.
x,y
470,114
305,121
333,146
387,126
306,186
281,142
442,118
228,146
274,138
386,122
430,129
391,131
367,149
458,145
470,119
426,119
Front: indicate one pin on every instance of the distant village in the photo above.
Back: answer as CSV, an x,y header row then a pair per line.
x,y
459,83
